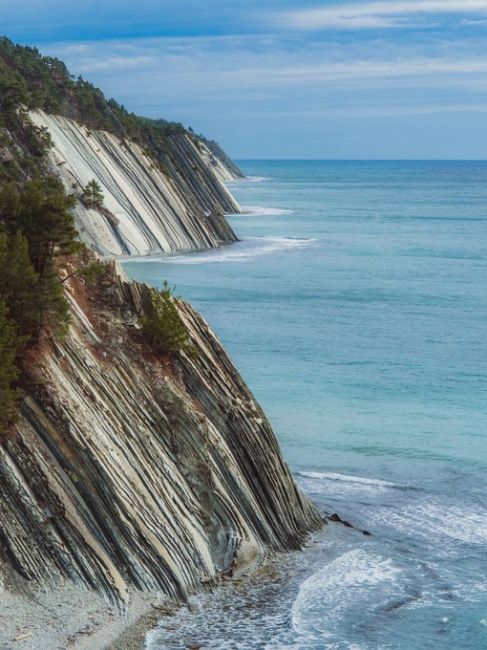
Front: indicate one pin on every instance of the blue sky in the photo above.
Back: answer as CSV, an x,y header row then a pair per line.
x,y
282,79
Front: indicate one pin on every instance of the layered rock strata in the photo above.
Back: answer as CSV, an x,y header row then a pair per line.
x,y
147,208
129,469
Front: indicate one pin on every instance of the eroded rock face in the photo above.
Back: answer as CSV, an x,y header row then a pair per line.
x,y
132,469
147,210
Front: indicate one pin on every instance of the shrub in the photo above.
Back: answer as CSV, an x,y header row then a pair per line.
x,y
92,272
162,327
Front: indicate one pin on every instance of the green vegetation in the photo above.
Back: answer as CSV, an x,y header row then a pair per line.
x,y
9,348
30,81
36,227
92,195
92,272
162,327
19,283
36,224
33,81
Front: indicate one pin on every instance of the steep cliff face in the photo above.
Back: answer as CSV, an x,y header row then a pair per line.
x,y
219,161
148,209
131,469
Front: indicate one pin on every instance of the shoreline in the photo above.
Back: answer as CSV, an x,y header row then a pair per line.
x,y
64,616
134,635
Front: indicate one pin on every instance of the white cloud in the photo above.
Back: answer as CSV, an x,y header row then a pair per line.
x,y
376,14
392,110
193,79
89,65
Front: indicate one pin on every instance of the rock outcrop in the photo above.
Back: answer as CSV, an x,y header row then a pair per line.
x,y
147,208
129,469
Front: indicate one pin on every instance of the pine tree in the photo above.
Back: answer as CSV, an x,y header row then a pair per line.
x,y
9,346
162,327
19,283
40,210
92,196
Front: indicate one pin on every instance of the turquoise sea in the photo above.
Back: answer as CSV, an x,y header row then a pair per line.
x,y
355,306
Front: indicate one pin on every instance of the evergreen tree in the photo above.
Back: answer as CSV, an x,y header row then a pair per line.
x,y
19,283
9,346
92,196
39,209
162,327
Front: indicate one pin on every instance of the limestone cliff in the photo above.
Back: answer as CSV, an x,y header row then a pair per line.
x,y
147,209
131,469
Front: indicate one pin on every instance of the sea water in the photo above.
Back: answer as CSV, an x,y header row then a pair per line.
x,y
355,306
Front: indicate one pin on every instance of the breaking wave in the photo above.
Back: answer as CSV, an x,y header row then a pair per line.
x,y
242,251
249,179
335,594
330,483
434,519
345,478
262,211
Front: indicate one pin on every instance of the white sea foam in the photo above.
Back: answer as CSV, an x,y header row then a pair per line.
x,y
340,589
240,252
328,483
434,518
249,179
345,478
262,211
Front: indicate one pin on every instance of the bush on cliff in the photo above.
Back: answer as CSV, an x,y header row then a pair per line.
x,y
162,327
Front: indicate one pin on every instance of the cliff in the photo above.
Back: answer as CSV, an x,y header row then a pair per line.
x,y
147,209
163,185
220,162
127,472
131,469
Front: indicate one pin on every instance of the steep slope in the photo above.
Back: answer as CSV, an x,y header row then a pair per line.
x,y
147,210
217,159
132,469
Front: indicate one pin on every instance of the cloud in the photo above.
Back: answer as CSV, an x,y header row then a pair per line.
x,y
375,15
397,110
254,62
90,65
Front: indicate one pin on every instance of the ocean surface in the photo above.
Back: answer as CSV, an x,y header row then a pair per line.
x,y
355,307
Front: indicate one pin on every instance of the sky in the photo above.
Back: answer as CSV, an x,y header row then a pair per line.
x,y
352,79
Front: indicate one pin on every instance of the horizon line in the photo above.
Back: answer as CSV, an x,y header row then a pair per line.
x,y
238,159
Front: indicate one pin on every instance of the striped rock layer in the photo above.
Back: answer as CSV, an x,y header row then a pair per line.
x,y
130,469
147,209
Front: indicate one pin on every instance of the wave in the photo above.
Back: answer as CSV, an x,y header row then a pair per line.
x,y
329,483
242,251
332,476
262,211
250,179
433,519
336,593
259,179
